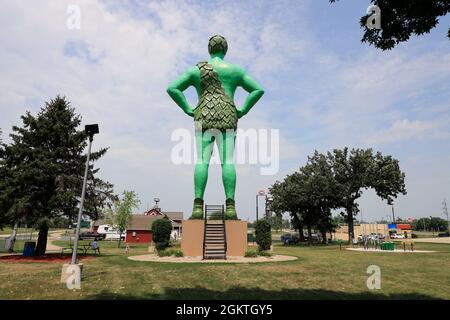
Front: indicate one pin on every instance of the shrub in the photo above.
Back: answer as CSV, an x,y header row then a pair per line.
x,y
414,236
264,253
161,230
165,253
263,235
159,246
251,253
178,253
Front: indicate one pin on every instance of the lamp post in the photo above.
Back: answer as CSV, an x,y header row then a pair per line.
x,y
261,193
90,130
269,199
391,203
444,208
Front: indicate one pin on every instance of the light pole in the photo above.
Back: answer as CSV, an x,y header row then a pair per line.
x,y
90,130
444,208
261,193
269,199
391,203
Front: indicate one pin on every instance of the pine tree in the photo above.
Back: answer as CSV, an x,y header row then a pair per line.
x,y
44,168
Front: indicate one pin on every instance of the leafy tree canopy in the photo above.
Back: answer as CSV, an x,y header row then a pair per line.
x,y
402,18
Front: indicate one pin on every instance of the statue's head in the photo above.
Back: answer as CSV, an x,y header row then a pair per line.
x,y
217,44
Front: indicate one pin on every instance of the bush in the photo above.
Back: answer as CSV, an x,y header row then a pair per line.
x,y
414,236
263,235
170,252
264,254
251,253
161,230
159,246
178,253
165,253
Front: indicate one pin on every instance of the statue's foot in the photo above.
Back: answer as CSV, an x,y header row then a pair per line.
x,y
197,211
230,211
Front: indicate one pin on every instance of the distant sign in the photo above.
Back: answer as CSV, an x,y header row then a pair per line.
x,y
392,226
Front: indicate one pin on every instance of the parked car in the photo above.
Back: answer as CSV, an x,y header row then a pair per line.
x,y
91,236
398,236
288,239
316,237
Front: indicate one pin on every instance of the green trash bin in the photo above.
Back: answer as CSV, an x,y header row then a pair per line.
x,y
250,237
389,246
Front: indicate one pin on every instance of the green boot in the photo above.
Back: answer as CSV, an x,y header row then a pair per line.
x,y
230,211
197,212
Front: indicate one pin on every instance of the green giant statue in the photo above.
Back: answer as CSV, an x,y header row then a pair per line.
x,y
215,116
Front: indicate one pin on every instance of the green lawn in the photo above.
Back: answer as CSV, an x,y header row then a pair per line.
x,y
321,272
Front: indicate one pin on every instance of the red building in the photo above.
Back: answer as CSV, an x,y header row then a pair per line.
x,y
176,217
140,229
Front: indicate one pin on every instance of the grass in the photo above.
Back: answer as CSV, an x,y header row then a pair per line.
x,y
321,272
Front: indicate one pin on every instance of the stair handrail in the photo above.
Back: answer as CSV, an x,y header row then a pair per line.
x,y
224,231
204,233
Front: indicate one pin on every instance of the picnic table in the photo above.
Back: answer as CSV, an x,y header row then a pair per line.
x,y
84,247
408,244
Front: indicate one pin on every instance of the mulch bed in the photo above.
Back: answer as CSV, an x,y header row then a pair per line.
x,y
51,258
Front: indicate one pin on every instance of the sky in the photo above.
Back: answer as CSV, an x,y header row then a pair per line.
x,y
324,89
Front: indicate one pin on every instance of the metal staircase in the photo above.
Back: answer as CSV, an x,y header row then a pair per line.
x,y
215,239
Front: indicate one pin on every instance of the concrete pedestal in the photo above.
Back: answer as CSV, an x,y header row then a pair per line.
x,y
193,235
65,275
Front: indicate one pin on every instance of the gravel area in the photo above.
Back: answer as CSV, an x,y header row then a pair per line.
x,y
155,258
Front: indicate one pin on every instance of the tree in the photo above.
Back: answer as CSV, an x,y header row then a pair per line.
x,y
308,195
360,169
161,230
44,167
332,181
402,18
263,235
121,213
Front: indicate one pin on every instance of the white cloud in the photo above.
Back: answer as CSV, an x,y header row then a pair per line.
x,y
115,70
406,129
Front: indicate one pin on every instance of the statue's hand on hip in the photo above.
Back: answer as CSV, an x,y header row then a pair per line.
x,y
190,112
240,114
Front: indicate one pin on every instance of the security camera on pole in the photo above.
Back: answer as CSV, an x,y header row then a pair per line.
x,y
71,273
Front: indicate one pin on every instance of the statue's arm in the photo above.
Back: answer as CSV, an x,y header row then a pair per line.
x,y
255,93
176,88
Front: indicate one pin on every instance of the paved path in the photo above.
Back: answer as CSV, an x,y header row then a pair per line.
x,y
52,237
433,240
389,251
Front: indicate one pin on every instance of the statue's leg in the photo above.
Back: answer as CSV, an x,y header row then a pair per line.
x,y
205,144
226,144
